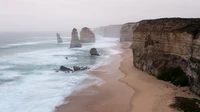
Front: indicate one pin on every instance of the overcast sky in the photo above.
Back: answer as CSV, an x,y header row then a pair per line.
x,y
61,15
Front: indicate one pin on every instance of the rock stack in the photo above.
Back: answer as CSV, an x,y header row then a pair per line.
x,y
75,42
59,39
86,35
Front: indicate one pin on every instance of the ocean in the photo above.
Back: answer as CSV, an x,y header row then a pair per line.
x,y
28,78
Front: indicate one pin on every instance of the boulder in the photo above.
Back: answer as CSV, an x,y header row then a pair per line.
x,y
75,42
86,35
59,39
94,52
65,69
76,68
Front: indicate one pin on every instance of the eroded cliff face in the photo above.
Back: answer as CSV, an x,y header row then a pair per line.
x,y
86,35
170,42
108,31
126,33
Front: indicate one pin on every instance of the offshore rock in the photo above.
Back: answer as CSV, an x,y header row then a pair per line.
x,y
94,52
75,42
59,39
86,35
169,42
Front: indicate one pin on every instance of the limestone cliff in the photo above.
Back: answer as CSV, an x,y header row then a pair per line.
x,y
169,42
59,39
126,33
109,31
86,35
75,42
112,31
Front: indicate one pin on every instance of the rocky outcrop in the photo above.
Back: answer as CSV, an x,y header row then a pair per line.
x,y
94,52
169,42
86,35
75,42
126,33
59,39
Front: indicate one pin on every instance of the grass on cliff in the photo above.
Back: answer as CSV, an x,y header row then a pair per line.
x,y
173,74
186,104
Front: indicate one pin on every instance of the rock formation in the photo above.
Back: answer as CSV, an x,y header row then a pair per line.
x,y
75,42
169,42
94,52
59,39
86,35
126,33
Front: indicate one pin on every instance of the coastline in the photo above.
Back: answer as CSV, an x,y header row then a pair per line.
x,y
126,89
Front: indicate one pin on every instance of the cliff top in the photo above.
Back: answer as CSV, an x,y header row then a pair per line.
x,y
189,25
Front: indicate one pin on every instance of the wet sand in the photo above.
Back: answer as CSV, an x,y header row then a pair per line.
x,y
125,89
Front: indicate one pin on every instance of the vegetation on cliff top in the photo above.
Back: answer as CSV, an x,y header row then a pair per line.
x,y
189,25
186,104
173,74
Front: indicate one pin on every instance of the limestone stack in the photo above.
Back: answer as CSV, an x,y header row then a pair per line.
x,y
75,42
86,35
126,33
59,39
169,42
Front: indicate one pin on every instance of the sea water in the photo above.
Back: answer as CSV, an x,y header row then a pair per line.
x,y
28,81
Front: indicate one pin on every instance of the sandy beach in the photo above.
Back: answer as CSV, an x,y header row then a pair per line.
x,y
125,89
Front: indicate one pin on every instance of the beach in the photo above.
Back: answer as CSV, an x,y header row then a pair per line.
x,y
125,89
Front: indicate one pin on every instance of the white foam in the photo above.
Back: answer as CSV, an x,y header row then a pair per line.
x,y
42,89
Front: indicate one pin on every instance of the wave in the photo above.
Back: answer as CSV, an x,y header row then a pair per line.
x,y
27,43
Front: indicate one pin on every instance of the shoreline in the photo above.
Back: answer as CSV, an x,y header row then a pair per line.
x,y
106,97
125,89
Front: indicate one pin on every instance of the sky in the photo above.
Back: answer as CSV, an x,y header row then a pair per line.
x,y
63,15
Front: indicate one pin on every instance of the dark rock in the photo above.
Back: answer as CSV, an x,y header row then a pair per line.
x,y
65,69
66,57
76,68
94,52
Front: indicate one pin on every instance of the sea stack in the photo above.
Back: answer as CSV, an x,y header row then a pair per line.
x,y
59,39
86,35
75,42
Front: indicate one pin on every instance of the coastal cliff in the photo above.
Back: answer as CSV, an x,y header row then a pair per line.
x,y
168,45
86,35
126,33
109,31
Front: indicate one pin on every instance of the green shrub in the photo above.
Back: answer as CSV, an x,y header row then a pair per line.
x,y
173,74
186,104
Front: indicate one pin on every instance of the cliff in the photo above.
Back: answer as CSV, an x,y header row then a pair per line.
x,y
109,31
75,42
126,33
168,48
112,31
86,35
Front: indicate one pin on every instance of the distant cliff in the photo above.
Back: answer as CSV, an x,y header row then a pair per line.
x,y
108,31
163,46
126,33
